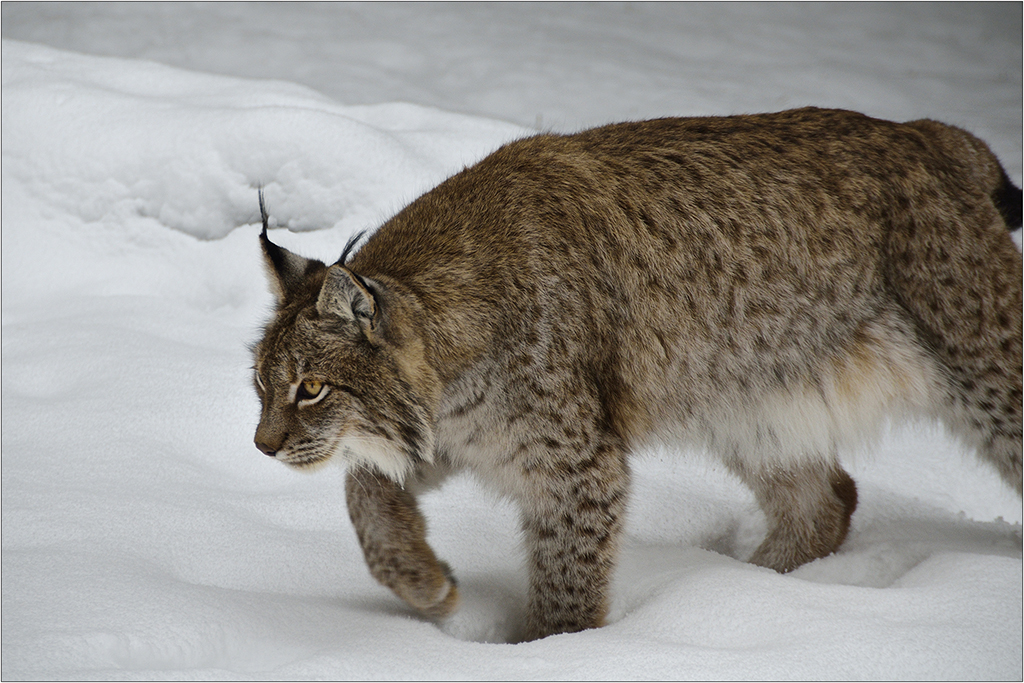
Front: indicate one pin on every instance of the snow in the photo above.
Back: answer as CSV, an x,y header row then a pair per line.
x,y
144,537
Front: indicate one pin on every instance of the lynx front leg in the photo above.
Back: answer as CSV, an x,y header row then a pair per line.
x,y
572,532
808,509
392,533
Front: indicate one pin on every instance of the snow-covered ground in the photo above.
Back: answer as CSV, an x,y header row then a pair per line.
x,y
143,534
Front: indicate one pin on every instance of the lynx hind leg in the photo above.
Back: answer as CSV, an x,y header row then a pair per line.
x,y
984,409
981,355
962,285
808,508
392,533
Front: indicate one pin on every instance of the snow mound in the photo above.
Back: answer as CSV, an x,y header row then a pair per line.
x,y
188,149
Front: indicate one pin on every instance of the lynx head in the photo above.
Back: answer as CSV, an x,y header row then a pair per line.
x,y
340,370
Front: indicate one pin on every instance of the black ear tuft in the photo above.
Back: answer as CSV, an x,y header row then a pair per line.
x,y
349,246
263,212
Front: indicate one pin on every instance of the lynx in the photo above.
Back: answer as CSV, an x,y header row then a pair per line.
x,y
769,288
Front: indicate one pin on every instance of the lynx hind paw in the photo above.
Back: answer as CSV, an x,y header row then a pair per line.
x,y
809,513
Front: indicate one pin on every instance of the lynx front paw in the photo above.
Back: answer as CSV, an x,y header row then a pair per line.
x,y
430,590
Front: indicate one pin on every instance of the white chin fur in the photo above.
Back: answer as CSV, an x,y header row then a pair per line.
x,y
377,454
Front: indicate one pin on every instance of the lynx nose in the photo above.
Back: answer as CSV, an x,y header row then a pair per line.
x,y
268,439
265,449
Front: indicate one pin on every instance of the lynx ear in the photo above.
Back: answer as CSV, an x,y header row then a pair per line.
x,y
286,270
348,296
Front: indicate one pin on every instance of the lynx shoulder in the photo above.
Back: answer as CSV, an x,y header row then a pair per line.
x,y
768,287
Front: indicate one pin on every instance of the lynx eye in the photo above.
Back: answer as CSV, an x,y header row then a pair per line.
x,y
311,390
